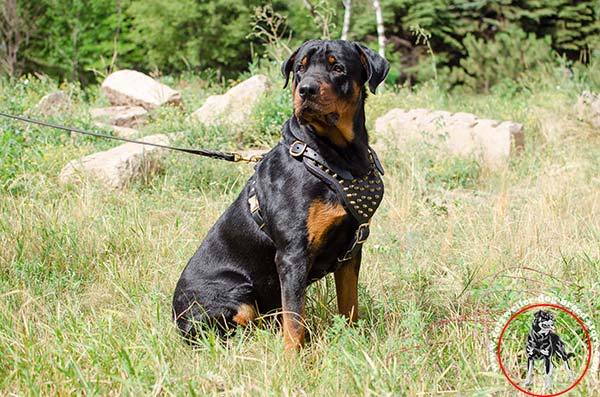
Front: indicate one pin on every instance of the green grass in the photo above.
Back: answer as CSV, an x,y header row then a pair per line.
x,y
87,274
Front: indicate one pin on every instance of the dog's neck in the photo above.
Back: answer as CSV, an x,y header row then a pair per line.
x,y
352,155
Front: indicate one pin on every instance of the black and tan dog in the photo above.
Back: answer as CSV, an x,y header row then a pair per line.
x,y
304,213
543,344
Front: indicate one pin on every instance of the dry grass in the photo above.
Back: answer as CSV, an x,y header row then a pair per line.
x,y
86,274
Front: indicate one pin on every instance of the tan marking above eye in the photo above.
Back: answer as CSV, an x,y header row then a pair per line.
x,y
331,59
304,61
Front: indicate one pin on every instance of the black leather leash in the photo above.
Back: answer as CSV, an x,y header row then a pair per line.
x,y
227,156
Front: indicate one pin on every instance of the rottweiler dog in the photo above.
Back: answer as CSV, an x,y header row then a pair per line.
x,y
306,210
543,344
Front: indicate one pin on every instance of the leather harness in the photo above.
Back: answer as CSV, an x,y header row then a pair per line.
x,y
361,196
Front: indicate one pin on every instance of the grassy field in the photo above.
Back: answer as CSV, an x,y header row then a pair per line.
x,y
87,274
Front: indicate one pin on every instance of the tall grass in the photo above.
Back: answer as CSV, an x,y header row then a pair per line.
x,y
87,274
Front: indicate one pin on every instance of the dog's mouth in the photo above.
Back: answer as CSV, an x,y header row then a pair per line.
x,y
310,112
546,325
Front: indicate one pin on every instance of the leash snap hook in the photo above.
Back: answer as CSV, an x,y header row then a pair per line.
x,y
237,157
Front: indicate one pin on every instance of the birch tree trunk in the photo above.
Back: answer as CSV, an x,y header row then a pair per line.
x,y
380,31
347,13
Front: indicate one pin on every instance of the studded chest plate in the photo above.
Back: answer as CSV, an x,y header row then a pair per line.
x,y
364,195
361,196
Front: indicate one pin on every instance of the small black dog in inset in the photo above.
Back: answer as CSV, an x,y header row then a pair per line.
x,y
543,344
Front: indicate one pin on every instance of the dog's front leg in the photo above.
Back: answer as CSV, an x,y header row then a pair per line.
x,y
346,287
292,277
569,372
529,373
549,368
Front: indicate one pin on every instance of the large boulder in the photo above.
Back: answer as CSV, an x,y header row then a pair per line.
x,y
461,133
235,105
119,166
588,108
131,88
122,116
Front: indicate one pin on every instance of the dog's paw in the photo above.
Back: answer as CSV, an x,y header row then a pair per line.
x,y
529,350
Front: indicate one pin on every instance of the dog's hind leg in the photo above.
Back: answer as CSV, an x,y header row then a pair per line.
x,y
527,382
549,369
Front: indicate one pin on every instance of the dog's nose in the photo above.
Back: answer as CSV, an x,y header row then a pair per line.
x,y
308,90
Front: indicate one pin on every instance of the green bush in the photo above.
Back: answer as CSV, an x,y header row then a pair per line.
x,y
508,56
84,40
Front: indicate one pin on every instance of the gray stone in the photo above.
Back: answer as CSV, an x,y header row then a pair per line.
x,y
460,133
122,116
131,88
119,166
54,103
588,108
235,106
122,132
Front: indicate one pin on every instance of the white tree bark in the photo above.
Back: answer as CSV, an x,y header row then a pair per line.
x,y
380,31
347,13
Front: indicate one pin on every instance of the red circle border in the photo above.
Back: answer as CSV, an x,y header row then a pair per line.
x,y
589,343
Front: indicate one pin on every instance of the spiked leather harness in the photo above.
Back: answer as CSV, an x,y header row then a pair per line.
x,y
361,196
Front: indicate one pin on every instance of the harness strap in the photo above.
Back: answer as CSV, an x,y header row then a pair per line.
x,y
360,196
255,211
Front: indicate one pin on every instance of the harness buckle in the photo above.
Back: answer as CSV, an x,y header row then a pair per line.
x,y
297,148
254,206
362,233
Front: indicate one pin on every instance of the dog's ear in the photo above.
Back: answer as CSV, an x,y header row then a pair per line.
x,y
376,66
286,66
537,314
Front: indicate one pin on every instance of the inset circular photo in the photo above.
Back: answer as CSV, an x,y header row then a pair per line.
x,y
544,350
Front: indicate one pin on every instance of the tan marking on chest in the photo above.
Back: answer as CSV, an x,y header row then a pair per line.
x,y
322,217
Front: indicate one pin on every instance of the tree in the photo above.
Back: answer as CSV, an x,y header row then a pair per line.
x,y
16,27
347,15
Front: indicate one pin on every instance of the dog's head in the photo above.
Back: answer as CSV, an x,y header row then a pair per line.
x,y
543,321
328,82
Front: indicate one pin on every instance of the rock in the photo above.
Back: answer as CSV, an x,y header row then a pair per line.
x,y
122,116
462,133
588,108
235,105
131,88
54,103
119,166
122,132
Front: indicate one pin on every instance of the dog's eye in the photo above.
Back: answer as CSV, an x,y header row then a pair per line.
x,y
301,68
339,69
